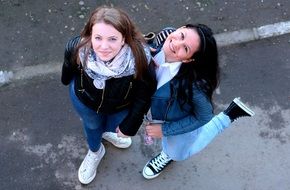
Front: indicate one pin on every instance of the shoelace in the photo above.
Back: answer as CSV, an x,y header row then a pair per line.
x,y
90,161
159,162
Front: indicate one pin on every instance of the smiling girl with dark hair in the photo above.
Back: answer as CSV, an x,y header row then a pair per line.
x,y
187,73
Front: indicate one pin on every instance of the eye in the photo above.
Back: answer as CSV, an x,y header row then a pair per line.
x,y
97,38
186,49
112,39
182,36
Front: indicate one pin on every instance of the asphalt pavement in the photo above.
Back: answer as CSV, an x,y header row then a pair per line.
x,y
41,135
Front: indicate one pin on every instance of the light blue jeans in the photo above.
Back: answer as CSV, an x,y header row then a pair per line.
x,y
181,147
95,124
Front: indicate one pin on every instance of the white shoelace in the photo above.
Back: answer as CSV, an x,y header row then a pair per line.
x,y
89,162
160,161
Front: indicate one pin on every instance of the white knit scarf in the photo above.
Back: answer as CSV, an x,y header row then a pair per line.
x,y
121,65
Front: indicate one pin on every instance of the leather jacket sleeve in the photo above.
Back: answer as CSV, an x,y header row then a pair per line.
x,y
203,114
141,103
69,67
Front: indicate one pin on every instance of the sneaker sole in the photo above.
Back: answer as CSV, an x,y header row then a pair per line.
x,y
87,181
244,107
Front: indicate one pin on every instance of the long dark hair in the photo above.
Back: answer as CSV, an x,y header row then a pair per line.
x,y
203,70
122,23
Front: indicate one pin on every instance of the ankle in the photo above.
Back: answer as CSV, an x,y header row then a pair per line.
x,y
96,153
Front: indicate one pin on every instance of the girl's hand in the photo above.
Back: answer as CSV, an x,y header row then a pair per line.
x,y
153,49
154,130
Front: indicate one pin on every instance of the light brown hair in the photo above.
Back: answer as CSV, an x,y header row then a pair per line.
x,y
122,23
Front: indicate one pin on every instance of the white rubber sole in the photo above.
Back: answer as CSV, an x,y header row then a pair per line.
x,y
243,106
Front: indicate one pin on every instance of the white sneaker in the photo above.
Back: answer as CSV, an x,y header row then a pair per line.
x,y
120,142
88,169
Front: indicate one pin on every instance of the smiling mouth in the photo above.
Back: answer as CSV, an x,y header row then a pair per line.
x,y
104,53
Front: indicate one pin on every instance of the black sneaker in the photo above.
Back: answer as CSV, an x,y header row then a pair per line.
x,y
238,109
156,165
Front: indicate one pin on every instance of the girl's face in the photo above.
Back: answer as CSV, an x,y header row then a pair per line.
x,y
181,44
106,41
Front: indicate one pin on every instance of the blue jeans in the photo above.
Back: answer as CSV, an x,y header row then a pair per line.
x,y
181,147
95,124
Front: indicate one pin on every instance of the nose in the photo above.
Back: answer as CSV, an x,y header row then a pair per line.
x,y
104,45
177,44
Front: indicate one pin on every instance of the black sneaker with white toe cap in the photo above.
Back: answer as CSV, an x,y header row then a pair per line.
x,y
238,109
156,165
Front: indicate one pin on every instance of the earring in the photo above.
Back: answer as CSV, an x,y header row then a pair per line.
x,y
188,60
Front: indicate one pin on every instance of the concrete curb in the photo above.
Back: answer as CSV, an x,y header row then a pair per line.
x,y
28,72
223,39
247,35
37,70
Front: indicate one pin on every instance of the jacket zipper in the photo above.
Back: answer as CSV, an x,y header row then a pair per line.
x,y
82,86
169,103
130,86
101,100
168,107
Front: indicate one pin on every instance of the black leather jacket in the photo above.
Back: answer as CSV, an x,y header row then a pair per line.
x,y
118,94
